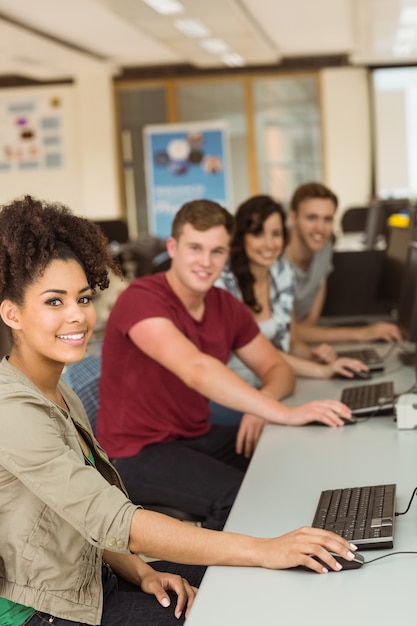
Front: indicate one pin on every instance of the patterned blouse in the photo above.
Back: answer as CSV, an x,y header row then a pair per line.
x,y
278,328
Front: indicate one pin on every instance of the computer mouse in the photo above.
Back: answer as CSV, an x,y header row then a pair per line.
x,y
348,421
356,563
363,375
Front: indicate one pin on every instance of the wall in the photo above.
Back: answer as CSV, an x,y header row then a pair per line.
x,y
89,183
87,179
346,120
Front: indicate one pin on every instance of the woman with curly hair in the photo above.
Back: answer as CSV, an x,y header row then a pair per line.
x,y
69,535
260,276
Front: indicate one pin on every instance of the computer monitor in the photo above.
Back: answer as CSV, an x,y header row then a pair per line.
x,y
377,216
395,263
407,308
374,223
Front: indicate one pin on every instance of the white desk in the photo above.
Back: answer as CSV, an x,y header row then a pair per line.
x,y
302,462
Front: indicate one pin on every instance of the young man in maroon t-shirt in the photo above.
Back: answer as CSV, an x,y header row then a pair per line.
x,y
167,342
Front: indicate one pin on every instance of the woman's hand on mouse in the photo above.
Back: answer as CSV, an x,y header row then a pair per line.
x,y
347,367
299,547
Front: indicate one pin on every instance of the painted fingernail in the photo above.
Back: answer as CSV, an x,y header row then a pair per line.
x,y
351,555
165,602
353,547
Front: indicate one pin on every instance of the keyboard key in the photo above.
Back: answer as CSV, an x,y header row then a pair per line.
x,y
369,399
364,515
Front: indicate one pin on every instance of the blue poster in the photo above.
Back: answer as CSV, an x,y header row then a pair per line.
x,y
184,162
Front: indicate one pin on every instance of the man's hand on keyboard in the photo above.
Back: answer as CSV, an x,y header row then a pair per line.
x,y
299,547
328,412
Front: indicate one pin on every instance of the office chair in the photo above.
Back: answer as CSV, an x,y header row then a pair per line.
x,y
148,253
114,230
84,377
354,219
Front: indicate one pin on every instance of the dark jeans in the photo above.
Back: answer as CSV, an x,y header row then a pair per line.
x,y
200,476
126,605
222,415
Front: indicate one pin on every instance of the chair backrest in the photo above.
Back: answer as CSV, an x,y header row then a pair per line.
x,y
114,230
83,377
354,219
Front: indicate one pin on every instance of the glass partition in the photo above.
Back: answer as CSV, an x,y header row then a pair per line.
x,y
221,101
274,127
288,142
137,108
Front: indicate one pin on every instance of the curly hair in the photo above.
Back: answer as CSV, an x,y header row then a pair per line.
x,y
33,233
249,218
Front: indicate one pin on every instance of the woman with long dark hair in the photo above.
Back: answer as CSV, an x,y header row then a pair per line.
x,y
260,276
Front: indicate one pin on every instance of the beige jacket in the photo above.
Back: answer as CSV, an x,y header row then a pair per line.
x,y
57,514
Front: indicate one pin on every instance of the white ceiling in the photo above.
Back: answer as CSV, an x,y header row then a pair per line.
x,y
61,39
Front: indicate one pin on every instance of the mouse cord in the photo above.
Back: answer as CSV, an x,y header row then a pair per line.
x,y
389,351
409,504
404,348
384,556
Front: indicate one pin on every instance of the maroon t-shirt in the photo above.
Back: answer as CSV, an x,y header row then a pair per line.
x,y
141,402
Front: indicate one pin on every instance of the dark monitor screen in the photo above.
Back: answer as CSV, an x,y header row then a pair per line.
x,y
378,214
407,309
395,263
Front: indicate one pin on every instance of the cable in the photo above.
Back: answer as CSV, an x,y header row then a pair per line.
x,y
409,504
389,351
379,409
382,408
384,556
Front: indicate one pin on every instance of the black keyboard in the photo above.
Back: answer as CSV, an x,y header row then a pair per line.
x,y
362,515
366,355
372,399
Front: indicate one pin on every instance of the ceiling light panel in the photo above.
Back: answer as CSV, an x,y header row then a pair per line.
x,y
402,49
165,7
377,24
227,20
192,28
233,60
408,15
214,46
406,34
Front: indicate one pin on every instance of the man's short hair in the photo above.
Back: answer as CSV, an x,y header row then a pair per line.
x,y
202,215
309,191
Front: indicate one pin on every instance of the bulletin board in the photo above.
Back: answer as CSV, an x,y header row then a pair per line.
x,y
38,144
